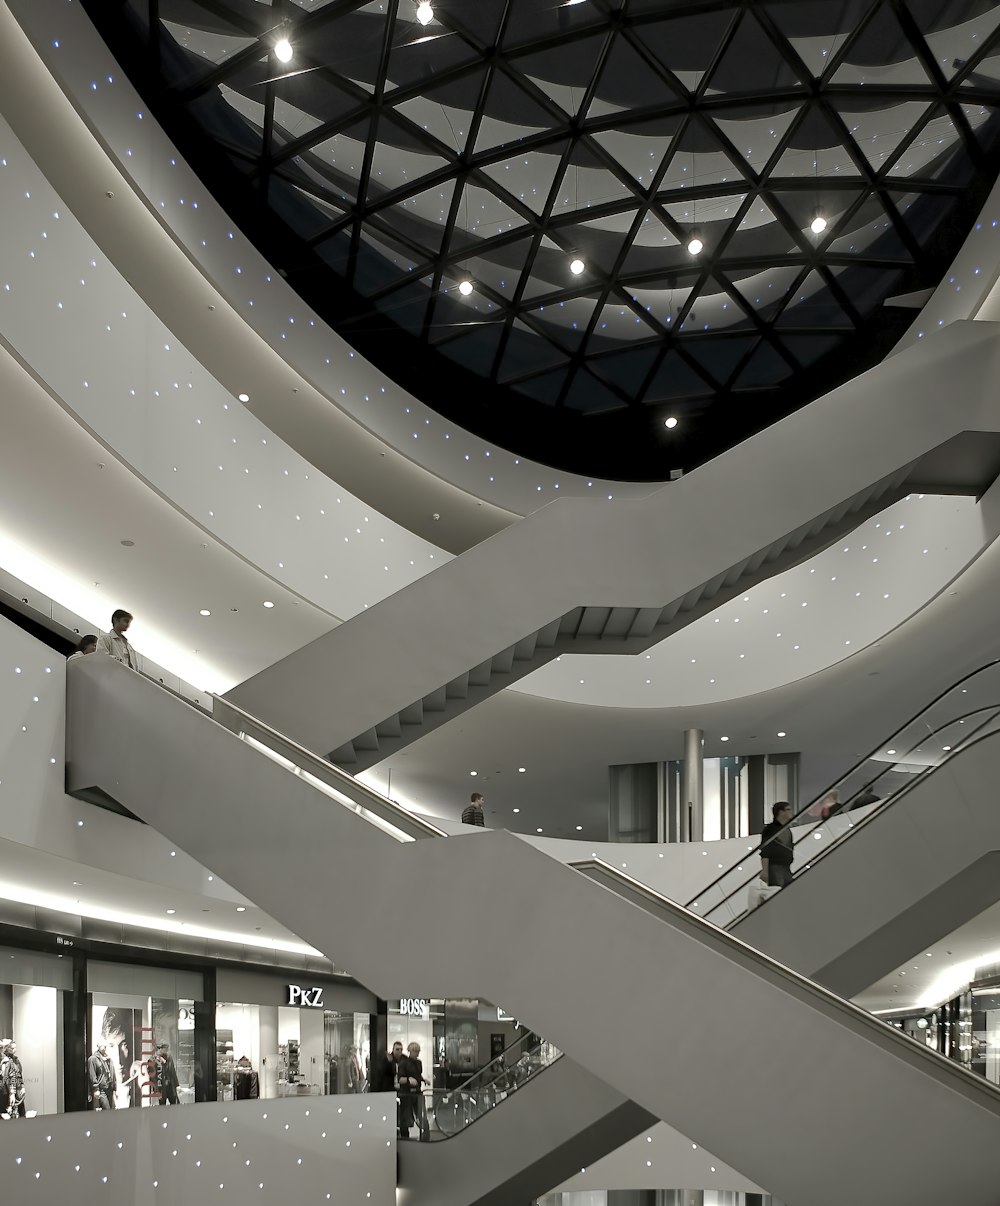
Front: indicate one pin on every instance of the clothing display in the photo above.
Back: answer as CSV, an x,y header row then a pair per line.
x,y
246,1083
165,1082
12,1076
101,1081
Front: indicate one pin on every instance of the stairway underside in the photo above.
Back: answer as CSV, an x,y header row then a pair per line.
x,y
588,575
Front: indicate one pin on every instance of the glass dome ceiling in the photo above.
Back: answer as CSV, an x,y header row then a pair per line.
x,y
426,176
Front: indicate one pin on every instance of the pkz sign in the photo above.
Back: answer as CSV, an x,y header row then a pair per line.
x,y
414,1007
310,998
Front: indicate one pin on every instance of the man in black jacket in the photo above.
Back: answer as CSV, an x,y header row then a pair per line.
x,y
776,848
411,1081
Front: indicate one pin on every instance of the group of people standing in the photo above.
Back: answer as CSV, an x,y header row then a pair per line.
x,y
404,1074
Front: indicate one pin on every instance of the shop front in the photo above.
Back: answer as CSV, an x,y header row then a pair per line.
x,y
276,1036
141,1024
32,994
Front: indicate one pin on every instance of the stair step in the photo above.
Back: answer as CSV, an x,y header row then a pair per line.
x,y
592,621
436,701
619,622
570,622
368,740
503,661
412,714
458,688
388,728
479,676
524,650
644,621
547,636
345,755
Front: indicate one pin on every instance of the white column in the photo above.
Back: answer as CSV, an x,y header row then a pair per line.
x,y
692,783
35,1030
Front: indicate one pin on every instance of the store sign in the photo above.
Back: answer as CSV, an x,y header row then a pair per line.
x,y
414,1007
310,998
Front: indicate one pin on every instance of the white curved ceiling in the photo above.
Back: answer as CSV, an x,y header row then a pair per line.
x,y
68,314
140,149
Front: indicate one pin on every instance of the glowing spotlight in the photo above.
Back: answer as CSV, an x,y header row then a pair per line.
x,y
576,266
671,422
819,222
695,243
465,288
283,50
425,12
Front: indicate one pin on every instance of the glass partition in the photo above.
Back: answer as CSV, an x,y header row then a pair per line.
x,y
966,711
453,1110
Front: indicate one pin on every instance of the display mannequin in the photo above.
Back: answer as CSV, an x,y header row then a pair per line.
x,y
166,1075
101,1079
12,1076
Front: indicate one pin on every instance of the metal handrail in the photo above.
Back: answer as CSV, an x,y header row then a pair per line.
x,y
857,766
729,944
332,775
802,832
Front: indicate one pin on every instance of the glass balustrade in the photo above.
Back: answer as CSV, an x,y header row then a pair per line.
x,y
965,712
451,1111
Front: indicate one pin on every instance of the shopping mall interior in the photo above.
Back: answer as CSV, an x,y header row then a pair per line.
x,y
585,407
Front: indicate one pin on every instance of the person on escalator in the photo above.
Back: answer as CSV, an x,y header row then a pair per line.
x,y
472,813
777,850
411,1101
87,644
115,643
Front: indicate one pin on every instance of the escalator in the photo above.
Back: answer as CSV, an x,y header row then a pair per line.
x,y
495,1141
728,1045
910,853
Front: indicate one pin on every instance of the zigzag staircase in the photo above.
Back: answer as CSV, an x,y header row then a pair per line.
x,y
588,575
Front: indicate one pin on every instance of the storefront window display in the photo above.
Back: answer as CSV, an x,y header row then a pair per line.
x,y
290,1040
32,987
141,1024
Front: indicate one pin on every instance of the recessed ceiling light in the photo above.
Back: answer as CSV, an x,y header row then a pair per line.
x,y
171,911
521,770
241,908
425,12
517,810
579,828
782,734
268,603
473,773
204,612
283,50
890,751
671,422
576,266
538,830
465,288
127,544
723,738
243,397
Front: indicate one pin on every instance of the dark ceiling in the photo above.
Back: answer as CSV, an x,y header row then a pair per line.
x,y
389,161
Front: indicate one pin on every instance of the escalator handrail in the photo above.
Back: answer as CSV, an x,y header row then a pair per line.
x,y
944,1069
861,822
857,766
331,774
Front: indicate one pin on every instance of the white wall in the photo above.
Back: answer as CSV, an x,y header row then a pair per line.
x,y
337,1149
